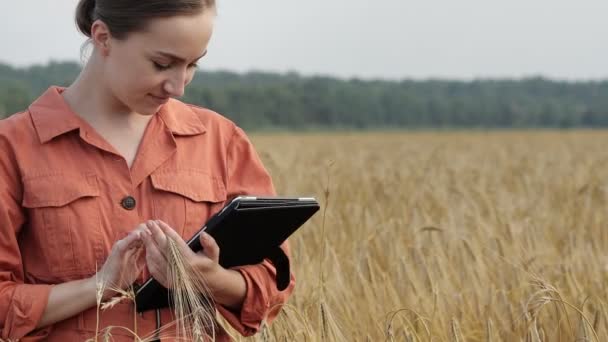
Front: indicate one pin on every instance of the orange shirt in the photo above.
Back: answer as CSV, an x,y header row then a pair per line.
x,y
62,191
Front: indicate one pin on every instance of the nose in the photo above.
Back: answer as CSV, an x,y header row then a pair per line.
x,y
176,84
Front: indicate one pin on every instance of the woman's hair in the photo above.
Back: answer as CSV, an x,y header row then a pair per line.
x,y
127,16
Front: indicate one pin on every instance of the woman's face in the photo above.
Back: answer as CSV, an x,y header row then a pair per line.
x,y
147,68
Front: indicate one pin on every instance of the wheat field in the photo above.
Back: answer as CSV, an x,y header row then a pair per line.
x,y
467,236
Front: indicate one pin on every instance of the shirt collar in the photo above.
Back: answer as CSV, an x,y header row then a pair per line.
x,y
52,116
181,119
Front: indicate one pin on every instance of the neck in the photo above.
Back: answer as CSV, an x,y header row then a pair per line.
x,y
90,99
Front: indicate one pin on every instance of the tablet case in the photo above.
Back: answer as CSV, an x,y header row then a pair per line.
x,y
247,231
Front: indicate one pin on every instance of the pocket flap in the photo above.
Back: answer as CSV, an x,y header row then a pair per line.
x,y
57,190
196,185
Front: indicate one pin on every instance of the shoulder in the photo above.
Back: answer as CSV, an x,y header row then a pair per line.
x,y
17,128
17,136
15,124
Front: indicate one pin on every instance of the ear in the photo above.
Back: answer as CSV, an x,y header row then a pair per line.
x,y
101,37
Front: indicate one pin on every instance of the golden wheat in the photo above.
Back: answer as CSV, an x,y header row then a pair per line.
x,y
472,236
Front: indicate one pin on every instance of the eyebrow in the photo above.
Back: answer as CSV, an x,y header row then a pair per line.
x,y
177,58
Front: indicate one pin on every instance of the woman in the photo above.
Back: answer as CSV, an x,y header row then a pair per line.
x,y
86,171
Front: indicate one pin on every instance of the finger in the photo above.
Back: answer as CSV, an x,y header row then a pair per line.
x,y
135,259
139,230
151,247
173,235
140,227
137,243
141,253
167,230
134,253
138,233
154,257
132,267
158,237
153,227
124,244
157,234
157,272
140,260
210,247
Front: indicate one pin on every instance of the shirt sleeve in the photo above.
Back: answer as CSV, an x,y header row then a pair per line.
x,y
21,305
263,302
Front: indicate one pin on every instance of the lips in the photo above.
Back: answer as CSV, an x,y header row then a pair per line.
x,y
160,99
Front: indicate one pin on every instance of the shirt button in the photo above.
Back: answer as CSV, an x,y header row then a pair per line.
x,y
128,203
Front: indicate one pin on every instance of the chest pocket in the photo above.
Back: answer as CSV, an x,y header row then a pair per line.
x,y
64,222
186,198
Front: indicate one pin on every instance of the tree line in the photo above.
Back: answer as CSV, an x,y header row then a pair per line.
x,y
260,100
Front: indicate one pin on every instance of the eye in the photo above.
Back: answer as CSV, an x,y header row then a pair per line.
x,y
193,65
161,67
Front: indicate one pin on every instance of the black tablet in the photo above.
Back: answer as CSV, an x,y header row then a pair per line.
x,y
247,231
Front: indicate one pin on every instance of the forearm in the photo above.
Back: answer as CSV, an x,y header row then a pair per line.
x,y
263,301
69,299
229,289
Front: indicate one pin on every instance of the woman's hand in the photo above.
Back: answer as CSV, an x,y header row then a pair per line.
x,y
228,287
124,264
156,240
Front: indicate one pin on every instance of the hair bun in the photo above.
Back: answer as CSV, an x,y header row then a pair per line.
x,y
84,16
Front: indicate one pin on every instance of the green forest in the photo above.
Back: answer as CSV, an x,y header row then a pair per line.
x,y
267,101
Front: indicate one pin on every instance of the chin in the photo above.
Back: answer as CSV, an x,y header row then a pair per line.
x,y
146,110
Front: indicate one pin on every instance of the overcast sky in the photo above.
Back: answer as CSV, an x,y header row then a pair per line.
x,y
391,39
